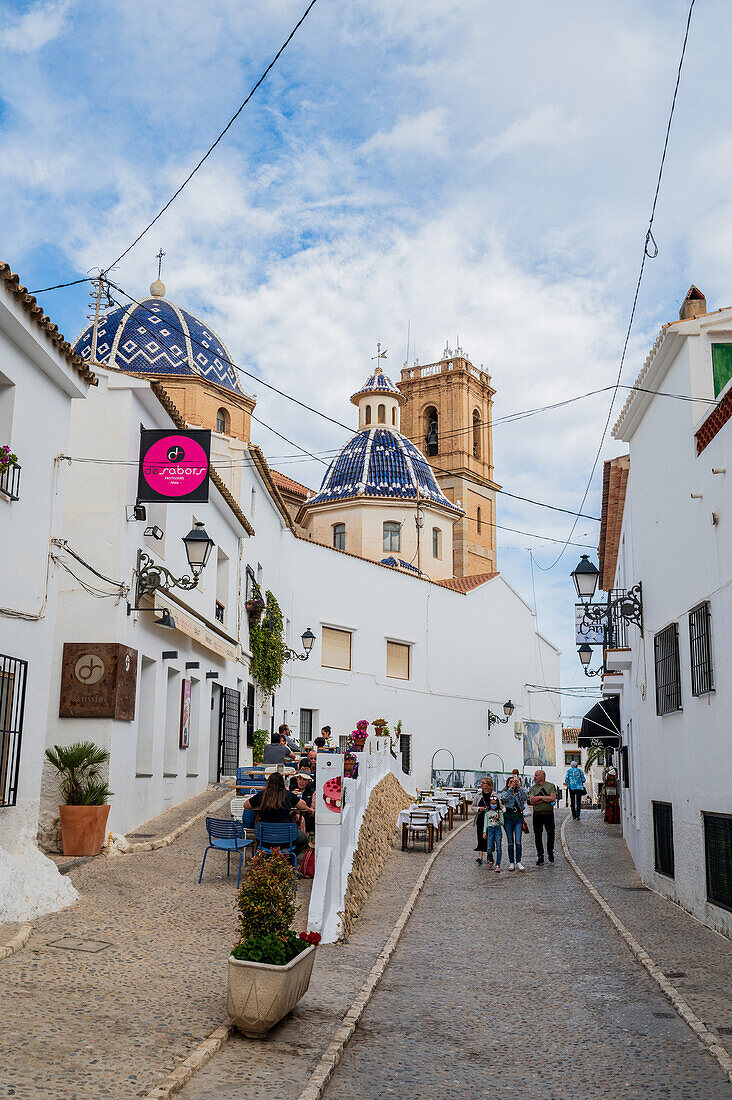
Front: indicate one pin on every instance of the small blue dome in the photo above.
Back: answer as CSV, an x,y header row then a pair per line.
x,y
378,383
382,463
156,337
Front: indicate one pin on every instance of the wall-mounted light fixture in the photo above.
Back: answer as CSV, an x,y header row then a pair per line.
x,y
508,709
307,640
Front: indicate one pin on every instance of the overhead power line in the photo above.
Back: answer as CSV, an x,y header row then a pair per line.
x,y
225,130
60,286
289,397
650,251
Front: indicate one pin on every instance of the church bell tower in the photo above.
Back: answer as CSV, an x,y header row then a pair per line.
x,y
448,415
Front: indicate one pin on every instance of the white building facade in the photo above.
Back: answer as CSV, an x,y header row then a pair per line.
x,y
40,380
669,526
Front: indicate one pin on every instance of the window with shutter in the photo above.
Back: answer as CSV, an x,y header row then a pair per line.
x,y
721,366
718,853
335,649
397,660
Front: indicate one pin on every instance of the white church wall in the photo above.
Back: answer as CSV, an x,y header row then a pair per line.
x,y
468,654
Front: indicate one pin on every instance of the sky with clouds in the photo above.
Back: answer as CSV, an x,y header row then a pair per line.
x,y
458,167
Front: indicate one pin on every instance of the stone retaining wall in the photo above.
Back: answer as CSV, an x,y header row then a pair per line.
x,y
376,838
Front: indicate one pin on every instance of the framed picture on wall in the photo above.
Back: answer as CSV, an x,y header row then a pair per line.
x,y
185,714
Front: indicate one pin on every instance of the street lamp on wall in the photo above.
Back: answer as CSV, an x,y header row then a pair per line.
x,y
307,639
151,575
584,652
508,709
621,606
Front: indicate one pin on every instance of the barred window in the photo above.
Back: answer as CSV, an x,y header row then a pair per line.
x,y
700,645
718,854
663,838
405,748
306,725
13,674
668,670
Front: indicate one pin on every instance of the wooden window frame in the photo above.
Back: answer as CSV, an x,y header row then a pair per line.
x,y
401,645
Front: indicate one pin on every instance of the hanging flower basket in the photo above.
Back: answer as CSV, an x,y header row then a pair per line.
x,y
255,608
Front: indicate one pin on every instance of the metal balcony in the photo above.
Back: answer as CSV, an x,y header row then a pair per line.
x,y
10,482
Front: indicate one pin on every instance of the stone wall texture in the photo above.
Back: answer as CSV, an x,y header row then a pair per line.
x,y
376,838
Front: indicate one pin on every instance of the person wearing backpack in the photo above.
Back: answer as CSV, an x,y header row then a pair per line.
x,y
575,780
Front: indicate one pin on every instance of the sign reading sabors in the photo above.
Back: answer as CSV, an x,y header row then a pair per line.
x,y
174,465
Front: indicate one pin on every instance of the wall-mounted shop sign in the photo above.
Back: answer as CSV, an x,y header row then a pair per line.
x,y
98,680
196,629
587,632
174,465
185,714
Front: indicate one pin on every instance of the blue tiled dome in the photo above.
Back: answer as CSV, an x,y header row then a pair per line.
x,y
154,336
384,464
378,383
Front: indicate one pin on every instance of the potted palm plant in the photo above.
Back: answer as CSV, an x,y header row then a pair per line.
x,y
270,966
85,794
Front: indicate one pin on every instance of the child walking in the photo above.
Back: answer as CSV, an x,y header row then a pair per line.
x,y
493,829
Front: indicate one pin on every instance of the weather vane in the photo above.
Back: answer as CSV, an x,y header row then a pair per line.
x,y
159,258
379,353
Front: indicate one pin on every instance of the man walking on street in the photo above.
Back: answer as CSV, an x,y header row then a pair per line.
x,y
575,780
542,797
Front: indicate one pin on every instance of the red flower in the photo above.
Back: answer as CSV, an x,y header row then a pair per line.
x,y
311,938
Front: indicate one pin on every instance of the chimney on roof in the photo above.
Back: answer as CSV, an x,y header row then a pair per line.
x,y
693,305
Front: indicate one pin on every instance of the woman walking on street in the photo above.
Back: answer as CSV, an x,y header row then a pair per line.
x,y
514,799
492,829
480,802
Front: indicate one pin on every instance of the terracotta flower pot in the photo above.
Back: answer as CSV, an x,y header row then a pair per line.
x,y
259,995
83,829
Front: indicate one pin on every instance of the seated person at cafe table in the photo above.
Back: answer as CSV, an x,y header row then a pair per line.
x,y
305,787
276,804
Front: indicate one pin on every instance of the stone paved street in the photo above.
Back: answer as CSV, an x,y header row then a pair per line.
x,y
509,985
78,1025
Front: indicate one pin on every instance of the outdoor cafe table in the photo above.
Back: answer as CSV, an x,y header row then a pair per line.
x,y
450,803
434,821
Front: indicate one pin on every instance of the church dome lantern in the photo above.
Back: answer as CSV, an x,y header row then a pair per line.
x,y
378,401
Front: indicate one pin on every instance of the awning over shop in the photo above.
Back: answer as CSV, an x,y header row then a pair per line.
x,y
601,724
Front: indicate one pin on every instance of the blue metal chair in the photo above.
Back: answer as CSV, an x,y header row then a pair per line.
x,y
225,835
273,834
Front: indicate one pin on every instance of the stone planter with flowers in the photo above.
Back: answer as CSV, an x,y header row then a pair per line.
x,y
270,967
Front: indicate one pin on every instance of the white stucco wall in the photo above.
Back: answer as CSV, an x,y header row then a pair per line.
x,y
36,408
670,544
148,772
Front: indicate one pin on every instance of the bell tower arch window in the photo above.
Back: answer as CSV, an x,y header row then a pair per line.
x,y
476,433
367,417
393,414
479,519
431,430
382,414
223,421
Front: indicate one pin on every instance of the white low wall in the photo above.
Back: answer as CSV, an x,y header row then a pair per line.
x,y
337,833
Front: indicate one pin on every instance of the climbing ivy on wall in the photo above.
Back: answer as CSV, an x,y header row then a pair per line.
x,y
268,647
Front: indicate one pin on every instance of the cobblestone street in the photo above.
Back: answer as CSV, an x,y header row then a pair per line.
x,y
508,985
501,985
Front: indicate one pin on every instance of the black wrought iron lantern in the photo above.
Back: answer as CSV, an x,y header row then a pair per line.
x,y
585,577
198,547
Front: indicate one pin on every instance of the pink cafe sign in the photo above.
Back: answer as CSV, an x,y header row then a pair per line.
x,y
174,466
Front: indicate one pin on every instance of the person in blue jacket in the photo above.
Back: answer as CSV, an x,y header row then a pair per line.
x,y
575,780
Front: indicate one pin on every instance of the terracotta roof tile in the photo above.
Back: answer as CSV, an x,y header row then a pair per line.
x,y
31,307
467,584
287,483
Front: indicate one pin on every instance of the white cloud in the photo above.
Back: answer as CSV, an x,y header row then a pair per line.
x,y
548,125
421,135
35,28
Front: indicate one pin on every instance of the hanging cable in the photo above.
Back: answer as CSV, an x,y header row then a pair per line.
x,y
60,286
226,128
650,251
